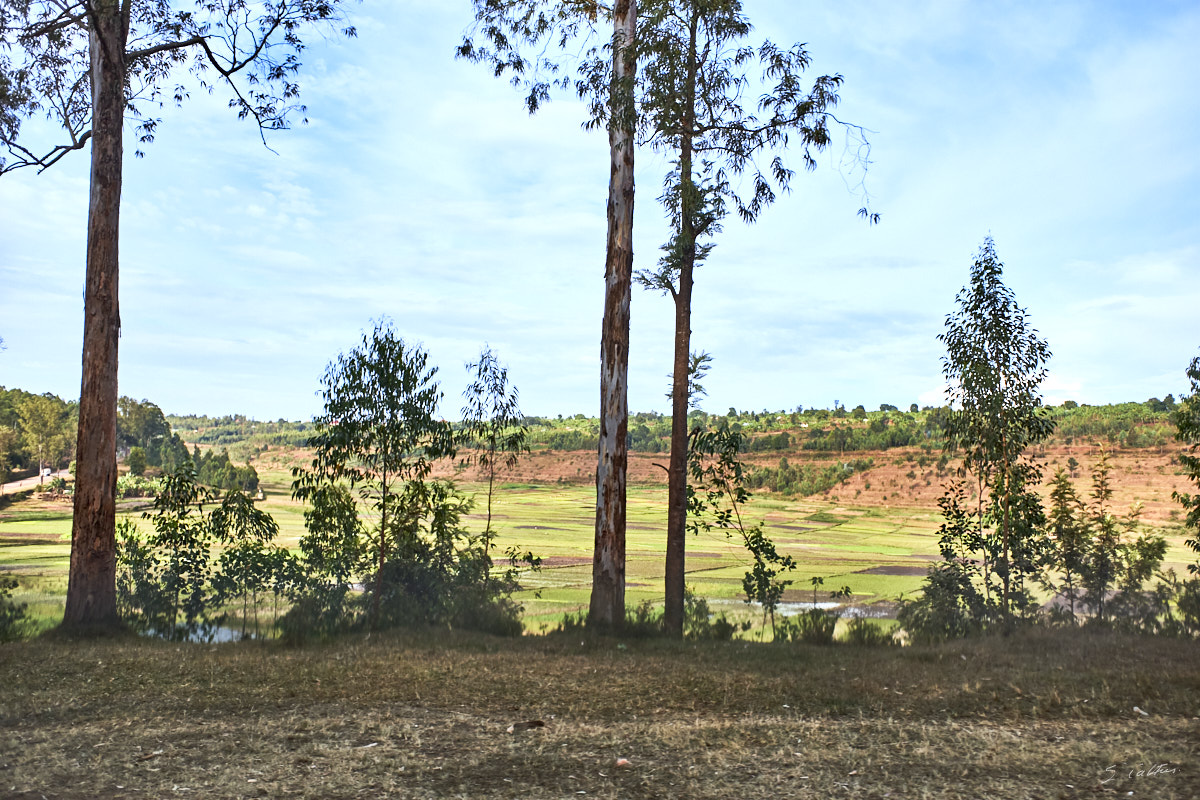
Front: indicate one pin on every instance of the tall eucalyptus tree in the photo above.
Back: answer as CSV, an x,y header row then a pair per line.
x,y
695,74
504,31
88,66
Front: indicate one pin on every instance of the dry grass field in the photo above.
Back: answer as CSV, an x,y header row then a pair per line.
x,y
428,715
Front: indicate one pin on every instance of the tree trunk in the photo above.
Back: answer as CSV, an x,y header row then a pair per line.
x,y
677,473
91,587
676,567
607,608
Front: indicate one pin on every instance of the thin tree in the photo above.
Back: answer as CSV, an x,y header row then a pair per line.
x,y
492,423
694,75
504,31
87,66
1072,537
994,363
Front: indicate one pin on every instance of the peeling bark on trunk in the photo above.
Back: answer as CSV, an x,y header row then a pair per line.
x,y
91,587
607,607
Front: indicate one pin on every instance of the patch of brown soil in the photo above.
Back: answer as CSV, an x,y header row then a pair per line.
x,y
550,562
897,478
894,569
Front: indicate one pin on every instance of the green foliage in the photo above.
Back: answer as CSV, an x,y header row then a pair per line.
x,y
168,583
993,366
136,461
863,632
438,573
135,486
332,550
815,626
1187,424
13,623
415,560
699,623
716,492
949,606
141,424
797,480
218,471
378,432
48,426
492,423
1072,541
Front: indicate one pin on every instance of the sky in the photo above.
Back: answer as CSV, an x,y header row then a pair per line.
x,y
421,192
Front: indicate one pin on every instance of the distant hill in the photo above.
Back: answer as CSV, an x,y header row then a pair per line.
x,y
816,430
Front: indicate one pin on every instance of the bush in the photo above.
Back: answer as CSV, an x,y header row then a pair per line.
x,y
13,623
55,485
137,486
699,623
167,582
435,573
949,607
864,632
814,626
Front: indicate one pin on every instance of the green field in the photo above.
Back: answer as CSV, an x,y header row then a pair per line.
x,y
879,553
845,546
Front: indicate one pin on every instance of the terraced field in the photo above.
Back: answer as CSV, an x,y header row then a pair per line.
x,y
879,551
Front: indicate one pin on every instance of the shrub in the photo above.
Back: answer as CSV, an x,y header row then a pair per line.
x,y
949,606
137,486
699,622
13,623
864,632
814,626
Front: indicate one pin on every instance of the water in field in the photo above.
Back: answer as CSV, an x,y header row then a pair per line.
x,y
846,612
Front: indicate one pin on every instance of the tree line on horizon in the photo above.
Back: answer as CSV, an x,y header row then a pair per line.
x,y
164,438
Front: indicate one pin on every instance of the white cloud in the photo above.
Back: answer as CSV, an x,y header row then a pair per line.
x,y
422,190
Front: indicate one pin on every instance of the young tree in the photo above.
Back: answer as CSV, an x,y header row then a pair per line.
x,y
1187,431
86,66
716,493
689,95
507,29
492,422
136,461
1071,535
994,364
378,432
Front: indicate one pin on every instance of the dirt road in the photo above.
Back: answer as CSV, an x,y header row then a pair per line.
x,y
28,483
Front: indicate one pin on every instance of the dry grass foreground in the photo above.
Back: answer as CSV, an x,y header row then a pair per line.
x,y
1035,715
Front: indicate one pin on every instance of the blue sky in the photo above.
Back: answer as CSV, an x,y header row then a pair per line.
x,y
421,191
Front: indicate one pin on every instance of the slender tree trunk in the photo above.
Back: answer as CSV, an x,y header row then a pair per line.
x,y
91,586
607,608
375,601
675,568
676,572
1004,604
